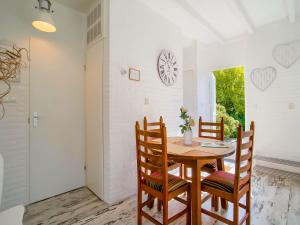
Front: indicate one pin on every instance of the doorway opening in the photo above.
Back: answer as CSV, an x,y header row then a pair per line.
x,y
230,98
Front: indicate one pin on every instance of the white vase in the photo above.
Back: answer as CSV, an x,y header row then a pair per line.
x,y
188,137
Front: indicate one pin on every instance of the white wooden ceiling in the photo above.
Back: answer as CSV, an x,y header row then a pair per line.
x,y
222,20
215,20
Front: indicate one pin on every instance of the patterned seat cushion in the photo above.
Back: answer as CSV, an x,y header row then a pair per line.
x,y
173,184
212,166
220,180
172,164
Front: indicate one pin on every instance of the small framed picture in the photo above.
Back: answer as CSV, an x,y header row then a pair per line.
x,y
134,74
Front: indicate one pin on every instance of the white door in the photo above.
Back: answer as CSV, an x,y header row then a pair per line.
x,y
94,123
212,98
57,134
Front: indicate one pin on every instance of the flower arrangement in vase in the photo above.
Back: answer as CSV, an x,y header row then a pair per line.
x,y
186,128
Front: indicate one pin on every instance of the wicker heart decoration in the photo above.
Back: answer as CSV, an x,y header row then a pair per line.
x,y
287,54
262,78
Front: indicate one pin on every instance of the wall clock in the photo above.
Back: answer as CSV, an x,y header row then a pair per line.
x,y
167,67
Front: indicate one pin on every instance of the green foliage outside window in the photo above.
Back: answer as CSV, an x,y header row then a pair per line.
x,y
230,124
230,93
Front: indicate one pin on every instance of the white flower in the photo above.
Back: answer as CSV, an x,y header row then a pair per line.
x,y
183,109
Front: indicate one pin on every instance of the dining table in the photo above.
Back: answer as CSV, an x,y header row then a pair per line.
x,y
195,156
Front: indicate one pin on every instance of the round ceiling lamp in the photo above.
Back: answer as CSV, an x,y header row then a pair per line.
x,y
42,20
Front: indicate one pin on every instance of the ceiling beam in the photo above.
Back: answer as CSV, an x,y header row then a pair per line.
x,y
291,10
239,10
187,7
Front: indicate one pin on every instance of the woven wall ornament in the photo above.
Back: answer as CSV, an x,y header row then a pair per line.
x,y
262,78
11,63
287,54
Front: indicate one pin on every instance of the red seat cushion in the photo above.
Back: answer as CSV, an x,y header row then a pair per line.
x,y
171,163
220,180
173,184
210,167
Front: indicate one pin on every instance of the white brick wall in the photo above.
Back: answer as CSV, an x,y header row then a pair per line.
x,y
137,35
276,124
14,144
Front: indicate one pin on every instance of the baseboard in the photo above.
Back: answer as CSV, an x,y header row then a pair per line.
x,y
274,163
279,164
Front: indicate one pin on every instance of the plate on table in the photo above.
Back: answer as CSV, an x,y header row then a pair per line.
x,y
218,144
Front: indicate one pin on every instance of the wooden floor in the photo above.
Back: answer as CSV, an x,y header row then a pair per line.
x,y
276,201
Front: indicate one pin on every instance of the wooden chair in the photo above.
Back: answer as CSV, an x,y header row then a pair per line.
x,y
158,183
233,187
156,127
219,131
206,128
203,131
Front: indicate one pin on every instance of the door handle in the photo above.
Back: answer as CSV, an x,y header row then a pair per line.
x,y
35,118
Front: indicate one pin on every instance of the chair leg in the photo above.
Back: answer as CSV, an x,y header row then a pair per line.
x,y
181,171
236,213
139,211
150,204
185,172
165,212
159,204
189,212
215,202
248,207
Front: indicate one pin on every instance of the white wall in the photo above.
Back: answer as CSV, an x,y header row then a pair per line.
x,y
137,36
276,124
190,82
69,45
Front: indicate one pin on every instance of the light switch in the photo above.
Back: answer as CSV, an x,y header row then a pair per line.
x,y
146,101
35,118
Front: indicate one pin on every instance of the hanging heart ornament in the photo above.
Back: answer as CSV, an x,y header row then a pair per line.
x,y
287,54
262,78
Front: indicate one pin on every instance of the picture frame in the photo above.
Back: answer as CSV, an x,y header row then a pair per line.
x,y
134,74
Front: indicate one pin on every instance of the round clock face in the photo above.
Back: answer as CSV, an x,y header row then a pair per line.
x,y
167,67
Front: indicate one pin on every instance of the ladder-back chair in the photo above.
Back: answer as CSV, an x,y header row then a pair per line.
x,y
204,128
153,178
233,187
156,127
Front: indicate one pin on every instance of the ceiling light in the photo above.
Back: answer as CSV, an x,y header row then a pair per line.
x,y
42,20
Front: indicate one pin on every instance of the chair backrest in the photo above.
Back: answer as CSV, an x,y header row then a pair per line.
x,y
244,155
155,160
1,177
153,126
205,128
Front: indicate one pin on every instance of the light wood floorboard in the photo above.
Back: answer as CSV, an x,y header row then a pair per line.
x,y
276,201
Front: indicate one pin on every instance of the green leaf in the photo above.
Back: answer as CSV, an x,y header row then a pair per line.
x,y
230,93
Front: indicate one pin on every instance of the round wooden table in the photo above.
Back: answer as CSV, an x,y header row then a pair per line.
x,y
195,157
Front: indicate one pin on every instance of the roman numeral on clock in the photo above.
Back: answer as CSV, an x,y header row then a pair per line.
x,y
167,67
